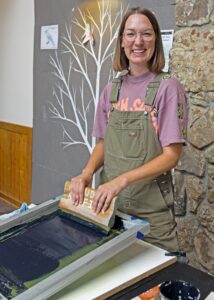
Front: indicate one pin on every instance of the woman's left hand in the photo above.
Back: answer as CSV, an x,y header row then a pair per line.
x,y
106,192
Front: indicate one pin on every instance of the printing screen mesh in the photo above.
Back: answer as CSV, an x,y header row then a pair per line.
x,y
33,251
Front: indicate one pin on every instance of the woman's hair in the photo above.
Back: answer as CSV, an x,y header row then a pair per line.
x,y
156,63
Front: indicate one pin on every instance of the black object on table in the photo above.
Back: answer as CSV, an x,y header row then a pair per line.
x,y
177,271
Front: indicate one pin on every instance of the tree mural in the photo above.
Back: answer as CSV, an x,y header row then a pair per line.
x,y
88,40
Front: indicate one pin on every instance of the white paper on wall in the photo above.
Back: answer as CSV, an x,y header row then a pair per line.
x,y
49,37
167,39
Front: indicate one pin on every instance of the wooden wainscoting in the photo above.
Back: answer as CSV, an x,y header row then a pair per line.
x,y
15,163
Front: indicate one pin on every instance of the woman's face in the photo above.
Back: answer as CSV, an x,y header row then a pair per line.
x,y
138,42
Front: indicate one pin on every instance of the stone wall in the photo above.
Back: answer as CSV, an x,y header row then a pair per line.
x,y
192,62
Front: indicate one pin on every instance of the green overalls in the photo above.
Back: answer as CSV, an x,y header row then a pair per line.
x,y
130,141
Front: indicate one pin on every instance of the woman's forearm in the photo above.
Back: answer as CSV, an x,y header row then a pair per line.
x,y
162,163
96,159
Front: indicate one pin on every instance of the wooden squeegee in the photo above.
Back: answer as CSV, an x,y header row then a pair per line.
x,y
104,220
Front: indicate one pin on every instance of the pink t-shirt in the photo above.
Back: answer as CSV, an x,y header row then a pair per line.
x,y
168,114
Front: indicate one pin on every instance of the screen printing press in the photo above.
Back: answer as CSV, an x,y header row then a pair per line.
x,y
115,278
44,249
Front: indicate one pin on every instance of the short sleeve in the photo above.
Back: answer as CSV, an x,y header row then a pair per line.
x,y
102,113
172,112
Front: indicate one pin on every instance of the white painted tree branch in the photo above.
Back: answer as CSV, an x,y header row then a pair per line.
x,y
79,53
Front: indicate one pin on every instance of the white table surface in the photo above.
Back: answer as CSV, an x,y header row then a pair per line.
x,y
130,265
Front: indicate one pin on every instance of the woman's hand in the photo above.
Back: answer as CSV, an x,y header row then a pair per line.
x,y
106,192
78,185
160,164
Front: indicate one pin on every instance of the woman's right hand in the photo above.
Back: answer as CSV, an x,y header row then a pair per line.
x,y
78,185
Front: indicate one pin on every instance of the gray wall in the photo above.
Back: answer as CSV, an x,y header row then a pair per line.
x,y
52,163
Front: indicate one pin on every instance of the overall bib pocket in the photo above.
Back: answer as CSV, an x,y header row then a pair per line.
x,y
132,133
125,138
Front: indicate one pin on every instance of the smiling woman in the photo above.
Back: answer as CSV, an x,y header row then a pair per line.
x,y
138,42
139,132
144,21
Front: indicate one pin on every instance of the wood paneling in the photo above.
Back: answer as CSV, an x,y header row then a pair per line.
x,y
15,163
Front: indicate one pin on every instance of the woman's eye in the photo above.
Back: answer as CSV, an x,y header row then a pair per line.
x,y
130,34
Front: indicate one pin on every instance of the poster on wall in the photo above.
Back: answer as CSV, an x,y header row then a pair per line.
x,y
167,39
49,37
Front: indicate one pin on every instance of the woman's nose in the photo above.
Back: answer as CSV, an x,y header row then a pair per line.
x,y
138,38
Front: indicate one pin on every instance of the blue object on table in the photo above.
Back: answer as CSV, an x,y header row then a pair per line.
x,y
22,208
139,235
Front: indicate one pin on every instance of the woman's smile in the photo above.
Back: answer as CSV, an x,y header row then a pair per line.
x,y
138,52
138,43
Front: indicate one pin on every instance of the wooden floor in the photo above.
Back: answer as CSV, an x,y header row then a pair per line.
x,y
5,207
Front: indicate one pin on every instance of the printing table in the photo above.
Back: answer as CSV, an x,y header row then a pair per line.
x,y
138,268
52,250
136,262
177,271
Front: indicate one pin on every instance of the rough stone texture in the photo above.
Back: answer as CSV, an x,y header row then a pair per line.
x,y
212,18
195,192
195,113
187,229
201,133
206,218
193,59
209,154
204,248
179,194
192,62
192,161
210,170
193,12
209,96
210,196
193,261
201,99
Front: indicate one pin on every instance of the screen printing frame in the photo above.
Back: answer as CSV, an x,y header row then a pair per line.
x,y
75,270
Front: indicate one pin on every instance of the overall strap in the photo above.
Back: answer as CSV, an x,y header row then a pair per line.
x,y
153,88
116,84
